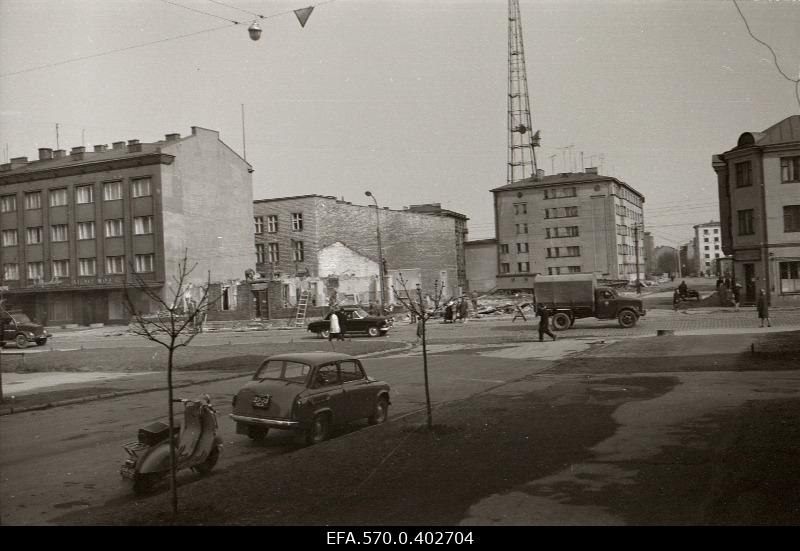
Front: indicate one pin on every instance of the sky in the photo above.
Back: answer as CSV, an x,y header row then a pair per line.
x,y
407,98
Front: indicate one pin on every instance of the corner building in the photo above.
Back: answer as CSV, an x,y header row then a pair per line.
x,y
75,226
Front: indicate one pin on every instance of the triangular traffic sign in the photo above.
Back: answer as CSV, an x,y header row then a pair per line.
x,y
303,14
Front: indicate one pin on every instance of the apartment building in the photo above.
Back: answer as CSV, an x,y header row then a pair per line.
x,y
568,223
329,247
76,227
708,247
759,196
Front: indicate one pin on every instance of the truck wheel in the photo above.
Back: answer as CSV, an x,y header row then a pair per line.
x,y
627,319
561,321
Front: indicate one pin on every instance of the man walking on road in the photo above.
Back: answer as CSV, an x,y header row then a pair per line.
x,y
763,308
544,322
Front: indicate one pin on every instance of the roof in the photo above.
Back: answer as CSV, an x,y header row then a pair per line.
x,y
312,358
711,223
489,241
564,178
273,199
785,131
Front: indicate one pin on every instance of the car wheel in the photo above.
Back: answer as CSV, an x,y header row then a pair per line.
x,y
373,332
561,321
325,334
627,319
206,466
257,434
21,341
41,342
319,430
381,413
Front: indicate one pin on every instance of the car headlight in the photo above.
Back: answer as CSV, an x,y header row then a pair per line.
x,y
29,334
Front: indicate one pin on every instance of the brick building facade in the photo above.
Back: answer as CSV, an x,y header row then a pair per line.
x,y
329,248
75,226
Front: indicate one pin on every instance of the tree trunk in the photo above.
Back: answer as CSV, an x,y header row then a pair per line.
x,y
425,369
173,475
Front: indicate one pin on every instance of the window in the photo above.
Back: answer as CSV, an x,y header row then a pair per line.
x,y
554,271
505,267
87,267
33,200
351,371
259,253
272,223
33,235
716,247
791,218
297,221
60,268
790,276
8,203
115,264
297,251
84,194
58,232
274,252
9,238
705,232
114,227
522,228
522,247
58,197
705,240
112,191
706,247
716,230
743,174
790,169
573,269
85,230
11,272
142,225
139,188
35,270
523,267
573,251
746,226
143,263
716,239
504,248
259,220
552,252
61,310
561,212
327,375
520,208
561,192
707,256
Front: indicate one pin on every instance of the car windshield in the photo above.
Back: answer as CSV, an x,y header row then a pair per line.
x,y
21,318
283,370
359,313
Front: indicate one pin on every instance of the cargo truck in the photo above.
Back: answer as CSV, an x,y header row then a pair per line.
x,y
573,296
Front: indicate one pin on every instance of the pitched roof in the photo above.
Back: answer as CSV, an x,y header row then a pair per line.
x,y
785,131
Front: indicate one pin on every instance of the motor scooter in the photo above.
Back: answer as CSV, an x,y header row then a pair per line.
x,y
197,446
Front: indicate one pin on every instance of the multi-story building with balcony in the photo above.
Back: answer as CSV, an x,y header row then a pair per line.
x,y
329,248
759,200
708,247
567,223
76,227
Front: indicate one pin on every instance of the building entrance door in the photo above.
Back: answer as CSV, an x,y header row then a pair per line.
x,y
749,284
261,301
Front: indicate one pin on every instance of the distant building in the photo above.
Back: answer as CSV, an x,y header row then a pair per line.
x,y
481,257
759,196
567,223
328,247
666,259
708,247
75,226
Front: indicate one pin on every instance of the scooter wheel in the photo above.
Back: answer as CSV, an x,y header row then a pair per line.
x,y
144,483
206,466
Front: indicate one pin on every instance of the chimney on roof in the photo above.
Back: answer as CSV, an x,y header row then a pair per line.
x,y
133,142
59,154
118,145
134,146
77,150
100,148
45,153
591,170
539,173
564,174
172,137
17,162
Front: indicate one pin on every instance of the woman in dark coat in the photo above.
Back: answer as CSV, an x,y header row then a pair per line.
x,y
763,308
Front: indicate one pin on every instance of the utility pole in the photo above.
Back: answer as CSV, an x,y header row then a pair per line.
x,y
244,142
57,144
636,244
553,163
583,165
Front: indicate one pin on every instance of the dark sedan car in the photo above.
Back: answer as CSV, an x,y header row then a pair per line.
x,y
356,320
309,393
18,328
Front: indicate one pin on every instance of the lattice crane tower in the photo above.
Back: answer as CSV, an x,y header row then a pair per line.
x,y
521,139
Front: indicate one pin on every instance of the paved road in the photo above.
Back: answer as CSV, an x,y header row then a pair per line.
x,y
54,461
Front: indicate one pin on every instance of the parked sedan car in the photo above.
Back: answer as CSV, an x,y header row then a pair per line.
x,y
357,320
308,393
18,328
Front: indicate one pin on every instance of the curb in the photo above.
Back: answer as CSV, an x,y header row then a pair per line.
x,y
106,396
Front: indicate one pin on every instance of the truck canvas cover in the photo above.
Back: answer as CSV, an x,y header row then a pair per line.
x,y
569,290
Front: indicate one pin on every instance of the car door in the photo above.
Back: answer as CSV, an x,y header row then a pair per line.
x,y
604,304
325,392
359,393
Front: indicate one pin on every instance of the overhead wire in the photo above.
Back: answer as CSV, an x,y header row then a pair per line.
x,y
200,11
235,8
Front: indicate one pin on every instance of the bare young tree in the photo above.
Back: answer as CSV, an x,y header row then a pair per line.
x,y
173,326
416,307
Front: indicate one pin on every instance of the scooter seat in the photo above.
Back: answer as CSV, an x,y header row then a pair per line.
x,y
191,430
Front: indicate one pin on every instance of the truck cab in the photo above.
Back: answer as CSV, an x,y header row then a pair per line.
x,y
609,305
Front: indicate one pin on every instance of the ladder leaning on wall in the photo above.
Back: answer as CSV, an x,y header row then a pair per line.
x,y
302,306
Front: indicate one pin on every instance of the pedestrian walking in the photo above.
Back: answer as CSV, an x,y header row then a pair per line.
x,y
474,298
448,312
335,329
719,283
342,324
463,309
544,322
763,308
676,300
737,289
683,289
